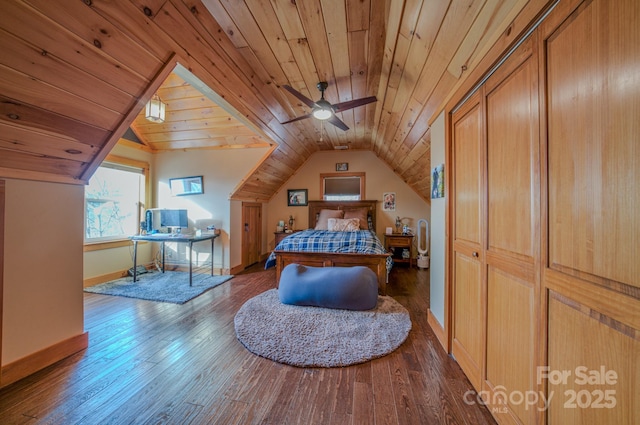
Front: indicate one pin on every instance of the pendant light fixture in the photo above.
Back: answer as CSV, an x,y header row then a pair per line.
x,y
155,109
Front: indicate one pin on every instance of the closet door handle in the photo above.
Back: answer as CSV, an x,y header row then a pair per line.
x,y
475,254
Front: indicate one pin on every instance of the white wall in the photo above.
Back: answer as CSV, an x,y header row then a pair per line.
x,y
222,170
379,179
438,223
42,299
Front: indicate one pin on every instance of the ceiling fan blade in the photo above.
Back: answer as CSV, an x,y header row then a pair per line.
x,y
310,103
298,118
338,123
350,104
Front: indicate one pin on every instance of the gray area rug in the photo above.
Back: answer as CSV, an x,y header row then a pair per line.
x,y
320,337
170,287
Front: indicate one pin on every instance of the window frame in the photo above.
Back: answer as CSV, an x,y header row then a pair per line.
x,y
361,175
122,241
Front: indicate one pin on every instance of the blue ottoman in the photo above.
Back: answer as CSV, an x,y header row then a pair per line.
x,y
347,288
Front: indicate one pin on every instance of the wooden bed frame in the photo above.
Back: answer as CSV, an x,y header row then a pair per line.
x,y
376,262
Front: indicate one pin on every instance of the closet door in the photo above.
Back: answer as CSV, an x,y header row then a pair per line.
x,y
468,293
592,272
513,232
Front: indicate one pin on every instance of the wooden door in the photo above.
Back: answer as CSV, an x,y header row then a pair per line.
x,y
592,223
468,292
252,233
512,223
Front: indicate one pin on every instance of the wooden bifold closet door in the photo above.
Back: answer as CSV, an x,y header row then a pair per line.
x,y
592,273
545,222
496,201
468,290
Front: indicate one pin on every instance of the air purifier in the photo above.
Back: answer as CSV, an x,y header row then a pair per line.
x,y
423,244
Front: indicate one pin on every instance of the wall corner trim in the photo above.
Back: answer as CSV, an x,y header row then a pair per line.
x,y
438,330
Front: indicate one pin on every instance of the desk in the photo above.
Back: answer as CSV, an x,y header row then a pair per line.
x,y
170,237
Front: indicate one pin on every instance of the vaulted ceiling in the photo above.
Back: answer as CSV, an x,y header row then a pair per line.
x,y
74,77
194,119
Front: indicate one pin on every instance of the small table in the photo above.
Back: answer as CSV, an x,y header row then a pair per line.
x,y
281,235
170,237
399,240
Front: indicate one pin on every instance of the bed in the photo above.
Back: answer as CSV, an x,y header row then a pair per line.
x,y
347,252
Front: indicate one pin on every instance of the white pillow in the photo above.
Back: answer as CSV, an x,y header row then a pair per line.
x,y
343,225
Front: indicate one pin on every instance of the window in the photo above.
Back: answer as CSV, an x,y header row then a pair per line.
x,y
342,186
114,200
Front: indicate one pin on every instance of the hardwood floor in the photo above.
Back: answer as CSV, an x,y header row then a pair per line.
x,y
151,363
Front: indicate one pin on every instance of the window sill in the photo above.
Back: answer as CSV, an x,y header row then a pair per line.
x,y
97,246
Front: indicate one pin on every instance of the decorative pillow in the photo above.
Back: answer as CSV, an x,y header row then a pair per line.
x,y
343,225
361,214
325,215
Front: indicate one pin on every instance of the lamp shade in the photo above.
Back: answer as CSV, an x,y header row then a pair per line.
x,y
321,114
155,109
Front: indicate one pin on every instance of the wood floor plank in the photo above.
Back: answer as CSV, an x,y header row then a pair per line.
x,y
381,381
385,414
406,406
363,410
159,363
302,408
363,373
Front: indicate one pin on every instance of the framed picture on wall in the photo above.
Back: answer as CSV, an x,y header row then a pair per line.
x,y
297,197
342,166
389,201
437,182
186,186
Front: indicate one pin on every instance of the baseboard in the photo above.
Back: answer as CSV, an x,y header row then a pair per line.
x,y
96,280
182,268
32,363
438,330
237,269
240,267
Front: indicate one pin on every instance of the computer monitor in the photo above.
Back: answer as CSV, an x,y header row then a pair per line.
x,y
174,219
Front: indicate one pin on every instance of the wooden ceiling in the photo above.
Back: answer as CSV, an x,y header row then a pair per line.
x,y
193,121
74,77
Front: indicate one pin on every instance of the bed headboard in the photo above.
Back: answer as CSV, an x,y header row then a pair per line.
x,y
316,206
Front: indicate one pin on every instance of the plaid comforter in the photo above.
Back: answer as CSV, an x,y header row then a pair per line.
x,y
360,242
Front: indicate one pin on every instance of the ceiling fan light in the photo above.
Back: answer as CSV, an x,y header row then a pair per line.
x,y
155,109
322,113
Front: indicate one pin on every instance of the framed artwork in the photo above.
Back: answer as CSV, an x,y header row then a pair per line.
x,y
437,182
186,186
297,197
389,201
342,166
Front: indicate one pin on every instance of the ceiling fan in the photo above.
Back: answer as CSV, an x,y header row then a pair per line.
x,y
324,110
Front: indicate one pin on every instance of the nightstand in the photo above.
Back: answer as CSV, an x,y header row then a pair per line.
x,y
397,243
281,235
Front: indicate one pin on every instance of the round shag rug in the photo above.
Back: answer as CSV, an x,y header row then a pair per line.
x,y
320,337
